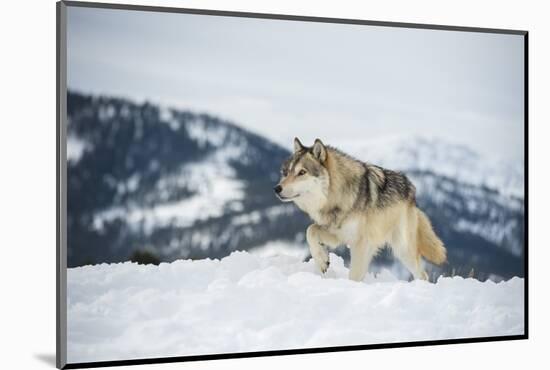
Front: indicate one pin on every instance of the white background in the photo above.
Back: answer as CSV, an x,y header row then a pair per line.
x,y
27,208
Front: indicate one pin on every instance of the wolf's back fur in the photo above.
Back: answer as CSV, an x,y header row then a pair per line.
x,y
361,205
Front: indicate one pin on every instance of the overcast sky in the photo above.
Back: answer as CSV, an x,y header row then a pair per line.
x,y
284,79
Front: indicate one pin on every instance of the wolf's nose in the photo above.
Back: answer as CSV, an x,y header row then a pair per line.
x,y
278,189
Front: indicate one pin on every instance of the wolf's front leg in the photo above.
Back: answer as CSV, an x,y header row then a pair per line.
x,y
318,240
361,256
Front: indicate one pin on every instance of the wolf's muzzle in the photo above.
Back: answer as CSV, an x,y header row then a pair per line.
x,y
278,189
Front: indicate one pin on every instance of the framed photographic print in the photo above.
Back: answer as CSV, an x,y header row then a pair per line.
x,y
236,184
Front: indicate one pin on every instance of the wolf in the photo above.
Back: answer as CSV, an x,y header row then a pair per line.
x,y
360,205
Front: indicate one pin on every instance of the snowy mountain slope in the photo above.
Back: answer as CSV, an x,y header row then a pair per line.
x,y
183,185
435,155
176,183
251,303
479,211
211,181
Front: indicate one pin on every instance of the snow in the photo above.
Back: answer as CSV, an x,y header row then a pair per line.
x,y
278,247
212,180
75,148
207,203
199,131
215,135
271,214
495,232
269,301
106,112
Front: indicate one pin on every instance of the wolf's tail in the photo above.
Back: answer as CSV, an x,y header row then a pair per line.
x,y
429,245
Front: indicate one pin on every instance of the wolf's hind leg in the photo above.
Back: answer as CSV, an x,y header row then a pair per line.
x,y
404,247
414,265
408,255
318,239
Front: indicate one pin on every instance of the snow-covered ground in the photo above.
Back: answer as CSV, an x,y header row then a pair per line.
x,y
253,302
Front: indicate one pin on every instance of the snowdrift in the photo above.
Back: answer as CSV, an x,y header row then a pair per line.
x,y
248,302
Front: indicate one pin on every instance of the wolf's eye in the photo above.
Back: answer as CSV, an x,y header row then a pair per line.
x,y
302,172
284,173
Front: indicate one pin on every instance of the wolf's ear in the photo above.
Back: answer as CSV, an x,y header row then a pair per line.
x,y
319,150
297,145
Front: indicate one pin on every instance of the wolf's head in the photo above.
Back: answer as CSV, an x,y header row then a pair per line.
x,y
304,176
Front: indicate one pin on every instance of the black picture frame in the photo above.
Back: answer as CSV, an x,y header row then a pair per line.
x,y
61,186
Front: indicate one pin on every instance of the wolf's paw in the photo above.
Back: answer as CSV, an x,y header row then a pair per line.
x,y
324,266
322,261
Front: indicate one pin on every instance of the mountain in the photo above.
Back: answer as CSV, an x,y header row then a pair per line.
x,y
454,160
177,184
